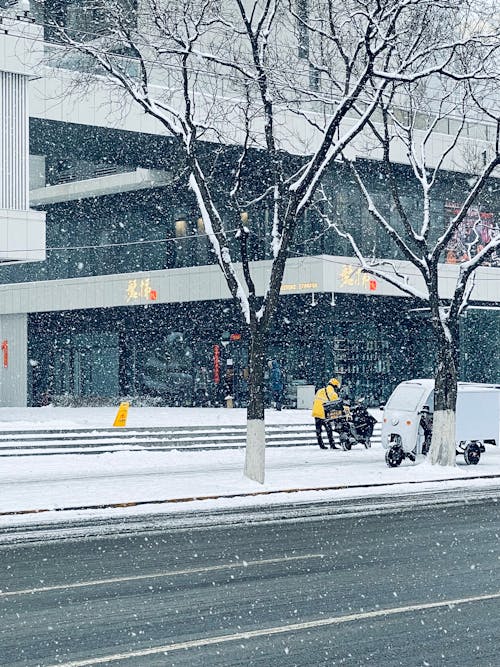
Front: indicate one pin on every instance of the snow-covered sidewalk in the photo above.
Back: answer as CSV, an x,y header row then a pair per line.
x,y
69,486
73,418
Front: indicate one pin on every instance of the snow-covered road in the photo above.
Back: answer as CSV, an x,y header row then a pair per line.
x,y
76,481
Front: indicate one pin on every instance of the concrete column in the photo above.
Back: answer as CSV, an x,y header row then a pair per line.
x,y
13,360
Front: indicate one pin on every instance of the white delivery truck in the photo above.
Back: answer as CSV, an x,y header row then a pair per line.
x,y
407,420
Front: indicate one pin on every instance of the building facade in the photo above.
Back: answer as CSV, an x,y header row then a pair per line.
x,y
130,301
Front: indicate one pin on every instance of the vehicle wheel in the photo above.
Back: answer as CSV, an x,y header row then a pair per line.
x,y
394,456
344,442
472,454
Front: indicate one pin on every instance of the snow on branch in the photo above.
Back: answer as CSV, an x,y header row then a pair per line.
x,y
375,267
384,223
214,229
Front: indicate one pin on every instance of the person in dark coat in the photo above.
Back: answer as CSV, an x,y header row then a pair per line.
x,y
426,425
276,384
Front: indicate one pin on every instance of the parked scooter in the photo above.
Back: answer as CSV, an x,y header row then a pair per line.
x,y
354,424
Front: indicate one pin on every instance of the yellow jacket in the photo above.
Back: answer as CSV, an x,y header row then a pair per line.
x,y
324,394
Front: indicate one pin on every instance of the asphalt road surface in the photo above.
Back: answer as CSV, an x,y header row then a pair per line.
x,y
419,587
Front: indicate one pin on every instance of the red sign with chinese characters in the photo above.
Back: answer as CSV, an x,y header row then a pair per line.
x,y
216,364
5,350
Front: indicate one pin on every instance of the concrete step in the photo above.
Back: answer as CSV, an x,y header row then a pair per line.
x,y
170,433
93,441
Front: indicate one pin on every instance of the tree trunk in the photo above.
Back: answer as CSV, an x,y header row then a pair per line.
x,y
256,434
443,445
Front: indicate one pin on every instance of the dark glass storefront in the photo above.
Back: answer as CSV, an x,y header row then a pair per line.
x,y
169,352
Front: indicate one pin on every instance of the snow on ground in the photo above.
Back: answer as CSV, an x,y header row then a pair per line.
x,y
77,480
50,417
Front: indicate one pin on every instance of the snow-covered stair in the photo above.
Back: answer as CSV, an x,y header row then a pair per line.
x,y
100,440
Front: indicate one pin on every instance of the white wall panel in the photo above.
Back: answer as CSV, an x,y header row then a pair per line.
x,y
13,141
323,273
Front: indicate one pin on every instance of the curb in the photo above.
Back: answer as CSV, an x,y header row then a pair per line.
x,y
340,487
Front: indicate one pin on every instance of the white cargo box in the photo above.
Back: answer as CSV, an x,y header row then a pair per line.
x,y
477,416
478,413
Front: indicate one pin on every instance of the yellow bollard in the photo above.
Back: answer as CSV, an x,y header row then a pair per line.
x,y
121,415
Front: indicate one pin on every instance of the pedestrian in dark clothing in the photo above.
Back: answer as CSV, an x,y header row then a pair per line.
x,y
276,384
426,425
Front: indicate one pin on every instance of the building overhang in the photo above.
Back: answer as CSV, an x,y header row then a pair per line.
x,y
307,275
140,179
22,236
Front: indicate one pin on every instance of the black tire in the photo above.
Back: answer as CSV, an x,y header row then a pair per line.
x,y
344,441
472,454
394,456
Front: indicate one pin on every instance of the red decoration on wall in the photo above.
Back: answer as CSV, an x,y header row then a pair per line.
x,y
5,349
216,364
373,285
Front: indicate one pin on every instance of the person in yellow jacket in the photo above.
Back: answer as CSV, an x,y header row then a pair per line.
x,y
328,393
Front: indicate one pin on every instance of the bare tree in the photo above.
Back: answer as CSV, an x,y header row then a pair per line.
x,y
469,237
266,77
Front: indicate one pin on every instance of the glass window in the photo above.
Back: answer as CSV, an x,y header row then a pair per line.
x,y
86,19
302,31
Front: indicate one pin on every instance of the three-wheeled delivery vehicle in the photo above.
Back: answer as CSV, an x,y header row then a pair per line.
x,y
407,420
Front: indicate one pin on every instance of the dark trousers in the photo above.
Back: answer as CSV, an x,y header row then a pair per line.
x,y
319,423
278,399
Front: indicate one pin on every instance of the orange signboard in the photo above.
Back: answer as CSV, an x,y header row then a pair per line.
x,y
5,349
